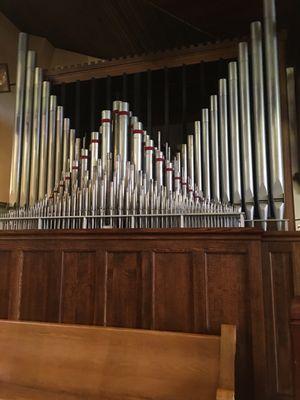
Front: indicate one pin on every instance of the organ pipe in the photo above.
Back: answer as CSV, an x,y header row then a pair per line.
x,y
15,176
274,110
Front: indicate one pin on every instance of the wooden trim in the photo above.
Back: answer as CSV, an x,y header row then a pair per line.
x,y
227,363
287,164
226,49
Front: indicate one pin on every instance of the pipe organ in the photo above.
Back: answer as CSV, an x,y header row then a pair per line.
x,y
231,165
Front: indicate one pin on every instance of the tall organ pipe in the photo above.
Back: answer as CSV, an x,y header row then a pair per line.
x,y
191,177
235,136
51,145
66,145
58,143
259,122
274,116
36,133
246,130
44,141
26,144
198,158
206,152
224,141
215,147
72,148
15,171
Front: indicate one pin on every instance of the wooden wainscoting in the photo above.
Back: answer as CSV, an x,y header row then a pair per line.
x,y
178,280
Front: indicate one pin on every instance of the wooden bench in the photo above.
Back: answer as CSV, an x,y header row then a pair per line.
x,y
71,362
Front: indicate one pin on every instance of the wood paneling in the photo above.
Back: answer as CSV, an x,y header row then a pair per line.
x,y
173,291
184,280
278,294
40,286
78,288
124,289
5,273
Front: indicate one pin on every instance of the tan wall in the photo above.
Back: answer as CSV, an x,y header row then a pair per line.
x,y
47,57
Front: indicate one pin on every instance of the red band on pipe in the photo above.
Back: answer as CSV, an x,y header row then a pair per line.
x,y
75,167
160,159
191,190
95,141
149,148
123,113
84,157
140,131
177,178
169,169
67,178
105,120
183,183
116,111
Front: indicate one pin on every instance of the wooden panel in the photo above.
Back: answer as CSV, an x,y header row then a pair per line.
x,y
173,291
227,300
5,266
110,363
295,333
128,288
40,286
278,294
78,296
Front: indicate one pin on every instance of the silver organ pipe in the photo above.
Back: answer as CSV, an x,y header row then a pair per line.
x,y
72,148
66,145
15,176
124,178
58,143
274,111
51,146
235,135
214,136
248,185
191,171
198,158
224,140
262,191
44,141
26,144
36,133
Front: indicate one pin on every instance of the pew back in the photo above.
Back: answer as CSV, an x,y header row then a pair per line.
x,y
57,361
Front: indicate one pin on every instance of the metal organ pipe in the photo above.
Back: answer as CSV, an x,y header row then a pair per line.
x,y
15,175
51,145
274,111
36,133
44,141
26,144
214,134
191,177
58,143
235,136
224,141
246,130
66,145
259,122
198,158
206,153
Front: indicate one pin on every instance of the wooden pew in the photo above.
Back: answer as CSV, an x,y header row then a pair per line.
x,y
71,362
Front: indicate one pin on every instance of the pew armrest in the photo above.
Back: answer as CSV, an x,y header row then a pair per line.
x,y
227,363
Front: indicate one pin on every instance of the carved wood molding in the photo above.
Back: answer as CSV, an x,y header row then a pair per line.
x,y
226,49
